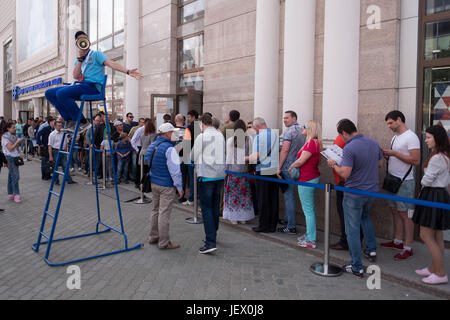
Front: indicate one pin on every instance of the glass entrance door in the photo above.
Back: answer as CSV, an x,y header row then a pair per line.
x,y
162,105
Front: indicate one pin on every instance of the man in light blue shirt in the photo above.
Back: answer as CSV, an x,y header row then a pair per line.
x,y
89,72
266,147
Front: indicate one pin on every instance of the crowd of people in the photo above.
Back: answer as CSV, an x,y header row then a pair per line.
x,y
254,148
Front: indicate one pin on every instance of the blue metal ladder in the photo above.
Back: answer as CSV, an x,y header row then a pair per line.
x,y
50,238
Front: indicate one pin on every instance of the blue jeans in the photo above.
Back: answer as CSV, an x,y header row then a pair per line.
x,y
191,183
210,203
122,168
63,164
13,177
134,157
356,216
289,202
307,198
64,99
76,157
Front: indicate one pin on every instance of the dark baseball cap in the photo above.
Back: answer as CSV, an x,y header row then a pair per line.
x,y
80,33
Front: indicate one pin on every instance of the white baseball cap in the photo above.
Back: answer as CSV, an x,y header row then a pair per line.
x,y
167,127
118,123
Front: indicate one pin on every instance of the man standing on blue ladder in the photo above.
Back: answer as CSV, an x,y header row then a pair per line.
x,y
89,72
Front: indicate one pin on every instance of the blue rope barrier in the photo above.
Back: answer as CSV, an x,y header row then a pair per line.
x,y
375,195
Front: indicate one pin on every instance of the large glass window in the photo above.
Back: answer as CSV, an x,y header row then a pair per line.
x,y
191,10
437,6
36,28
190,66
434,72
115,91
106,24
437,40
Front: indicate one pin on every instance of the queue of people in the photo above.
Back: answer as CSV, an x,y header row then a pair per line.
x,y
253,148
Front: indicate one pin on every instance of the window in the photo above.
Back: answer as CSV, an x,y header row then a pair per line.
x,y
191,10
115,90
8,66
106,24
190,67
437,6
434,72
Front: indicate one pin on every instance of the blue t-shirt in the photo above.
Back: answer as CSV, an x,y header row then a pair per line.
x,y
95,68
362,155
124,146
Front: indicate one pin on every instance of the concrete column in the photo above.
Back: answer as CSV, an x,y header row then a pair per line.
x,y
132,56
267,61
37,102
74,13
409,38
299,50
341,64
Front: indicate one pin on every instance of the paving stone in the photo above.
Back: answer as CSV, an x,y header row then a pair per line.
x,y
244,267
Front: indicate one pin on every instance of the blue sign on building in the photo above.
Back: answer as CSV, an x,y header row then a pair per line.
x,y
17,91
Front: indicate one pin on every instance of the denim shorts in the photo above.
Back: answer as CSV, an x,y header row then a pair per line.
x,y
407,190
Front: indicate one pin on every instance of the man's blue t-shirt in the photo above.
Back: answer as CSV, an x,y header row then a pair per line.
x,y
362,155
95,68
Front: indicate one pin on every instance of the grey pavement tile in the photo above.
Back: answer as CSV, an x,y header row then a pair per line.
x,y
244,267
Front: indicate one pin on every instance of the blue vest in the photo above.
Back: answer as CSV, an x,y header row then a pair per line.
x,y
159,172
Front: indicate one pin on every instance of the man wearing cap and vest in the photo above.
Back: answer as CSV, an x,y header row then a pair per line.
x,y
165,175
90,72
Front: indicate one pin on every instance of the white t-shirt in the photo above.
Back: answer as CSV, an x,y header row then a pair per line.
x,y
403,144
6,152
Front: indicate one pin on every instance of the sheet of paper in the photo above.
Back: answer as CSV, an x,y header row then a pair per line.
x,y
334,153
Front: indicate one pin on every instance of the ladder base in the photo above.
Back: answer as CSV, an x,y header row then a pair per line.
x,y
52,264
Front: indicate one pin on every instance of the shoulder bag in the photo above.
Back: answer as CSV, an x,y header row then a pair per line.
x,y
392,184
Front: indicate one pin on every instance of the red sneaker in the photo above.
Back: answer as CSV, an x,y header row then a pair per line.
x,y
392,245
404,255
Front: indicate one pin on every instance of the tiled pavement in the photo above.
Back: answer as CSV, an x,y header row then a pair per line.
x,y
244,267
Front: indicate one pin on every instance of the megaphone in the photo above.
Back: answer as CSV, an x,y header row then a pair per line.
x,y
83,43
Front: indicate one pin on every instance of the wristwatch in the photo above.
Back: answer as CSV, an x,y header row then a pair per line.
x,y
81,59
128,72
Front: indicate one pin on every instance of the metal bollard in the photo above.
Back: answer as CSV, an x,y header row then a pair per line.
x,y
91,169
104,169
26,149
325,269
195,219
143,199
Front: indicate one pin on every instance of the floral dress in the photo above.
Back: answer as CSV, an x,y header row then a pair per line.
x,y
238,203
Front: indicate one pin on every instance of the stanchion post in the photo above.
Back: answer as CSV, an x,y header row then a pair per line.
x,y
104,168
325,269
26,149
143,199
91,169
195,219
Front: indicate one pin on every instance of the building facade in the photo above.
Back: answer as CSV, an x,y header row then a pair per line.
x,y
324,59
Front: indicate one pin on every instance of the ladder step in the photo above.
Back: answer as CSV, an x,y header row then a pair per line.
x,y
45,236
50,214
60,173
65,152
55,194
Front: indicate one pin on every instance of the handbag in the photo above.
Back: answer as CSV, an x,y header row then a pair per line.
x,y
391,183
18,161
146,180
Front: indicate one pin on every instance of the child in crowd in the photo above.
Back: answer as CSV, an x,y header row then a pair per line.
x,y
124,157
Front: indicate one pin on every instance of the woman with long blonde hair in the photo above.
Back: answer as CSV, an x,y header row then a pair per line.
x,y
308,164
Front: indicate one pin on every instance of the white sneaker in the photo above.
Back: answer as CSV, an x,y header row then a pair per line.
x,y
72,169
